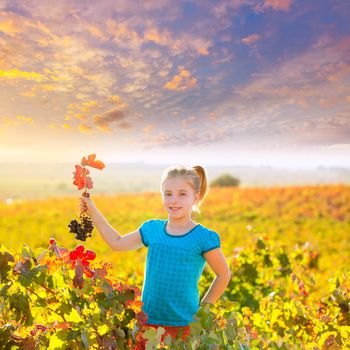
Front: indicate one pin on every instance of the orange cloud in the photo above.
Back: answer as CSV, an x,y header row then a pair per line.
x,y
96,32
105,128
53,126
17,74
103,121
123,35
213,116
85,107
182,42
39,88
118,102
153,34
9,27
80,116
188,121
329,101
85,128
148,128
27,120
278,4
250,40
18,120
67,126
125,126
182,81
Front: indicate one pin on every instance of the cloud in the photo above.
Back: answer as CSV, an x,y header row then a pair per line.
x,y
182,81
124,57
80,116
8,25
182,43
72,61
188,121
125,126
251,40
148,128
84,128
17,74
27,120
88,106
319,74
103,121
85,106
96,32
162,38
187,137
123,35
67,126
278,5
119,103
17,121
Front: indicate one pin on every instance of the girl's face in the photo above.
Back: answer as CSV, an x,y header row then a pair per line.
x,y
178,197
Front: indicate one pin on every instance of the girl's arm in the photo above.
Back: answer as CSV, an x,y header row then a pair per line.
x,y
112,237
216,260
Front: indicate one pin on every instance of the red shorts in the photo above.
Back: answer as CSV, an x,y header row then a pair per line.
x,y
172,330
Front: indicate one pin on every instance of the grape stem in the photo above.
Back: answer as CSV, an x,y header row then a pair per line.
x,y
85,193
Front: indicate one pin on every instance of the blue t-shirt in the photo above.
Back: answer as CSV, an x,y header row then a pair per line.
x,y
174,265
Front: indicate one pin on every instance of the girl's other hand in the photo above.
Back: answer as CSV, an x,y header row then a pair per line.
x,y
86,204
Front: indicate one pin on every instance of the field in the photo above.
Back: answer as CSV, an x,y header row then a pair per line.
x,y
310,219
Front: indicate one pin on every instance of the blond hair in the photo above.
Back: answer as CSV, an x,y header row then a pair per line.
x,y
197,176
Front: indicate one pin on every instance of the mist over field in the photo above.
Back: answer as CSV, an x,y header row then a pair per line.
x,y
39,180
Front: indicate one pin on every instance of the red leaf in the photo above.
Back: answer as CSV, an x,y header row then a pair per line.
x,y
73,255
62,325
81,179
90,255
79,249
89,182
92,162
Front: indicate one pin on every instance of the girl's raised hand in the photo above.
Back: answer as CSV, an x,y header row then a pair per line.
x,y
86,204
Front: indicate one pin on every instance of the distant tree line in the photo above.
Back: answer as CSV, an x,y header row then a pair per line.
x,y
225,180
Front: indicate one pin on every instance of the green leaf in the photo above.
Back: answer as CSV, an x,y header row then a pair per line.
x,y
103,329
73,316
56,341
153,337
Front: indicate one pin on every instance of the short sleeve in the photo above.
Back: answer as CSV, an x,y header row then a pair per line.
x,y
144,230
211,241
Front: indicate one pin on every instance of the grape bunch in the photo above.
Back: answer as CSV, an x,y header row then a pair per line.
x,y
81,229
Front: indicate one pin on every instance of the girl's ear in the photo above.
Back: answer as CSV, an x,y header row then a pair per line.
x,y
197,197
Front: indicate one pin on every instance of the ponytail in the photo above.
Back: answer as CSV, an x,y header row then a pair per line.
x,y
203,186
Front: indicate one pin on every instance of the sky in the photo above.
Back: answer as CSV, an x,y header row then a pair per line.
x,y
240,82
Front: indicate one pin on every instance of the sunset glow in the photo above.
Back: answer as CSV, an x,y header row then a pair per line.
x,y
217,82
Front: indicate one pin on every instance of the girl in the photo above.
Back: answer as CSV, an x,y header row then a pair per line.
x,y
178,249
